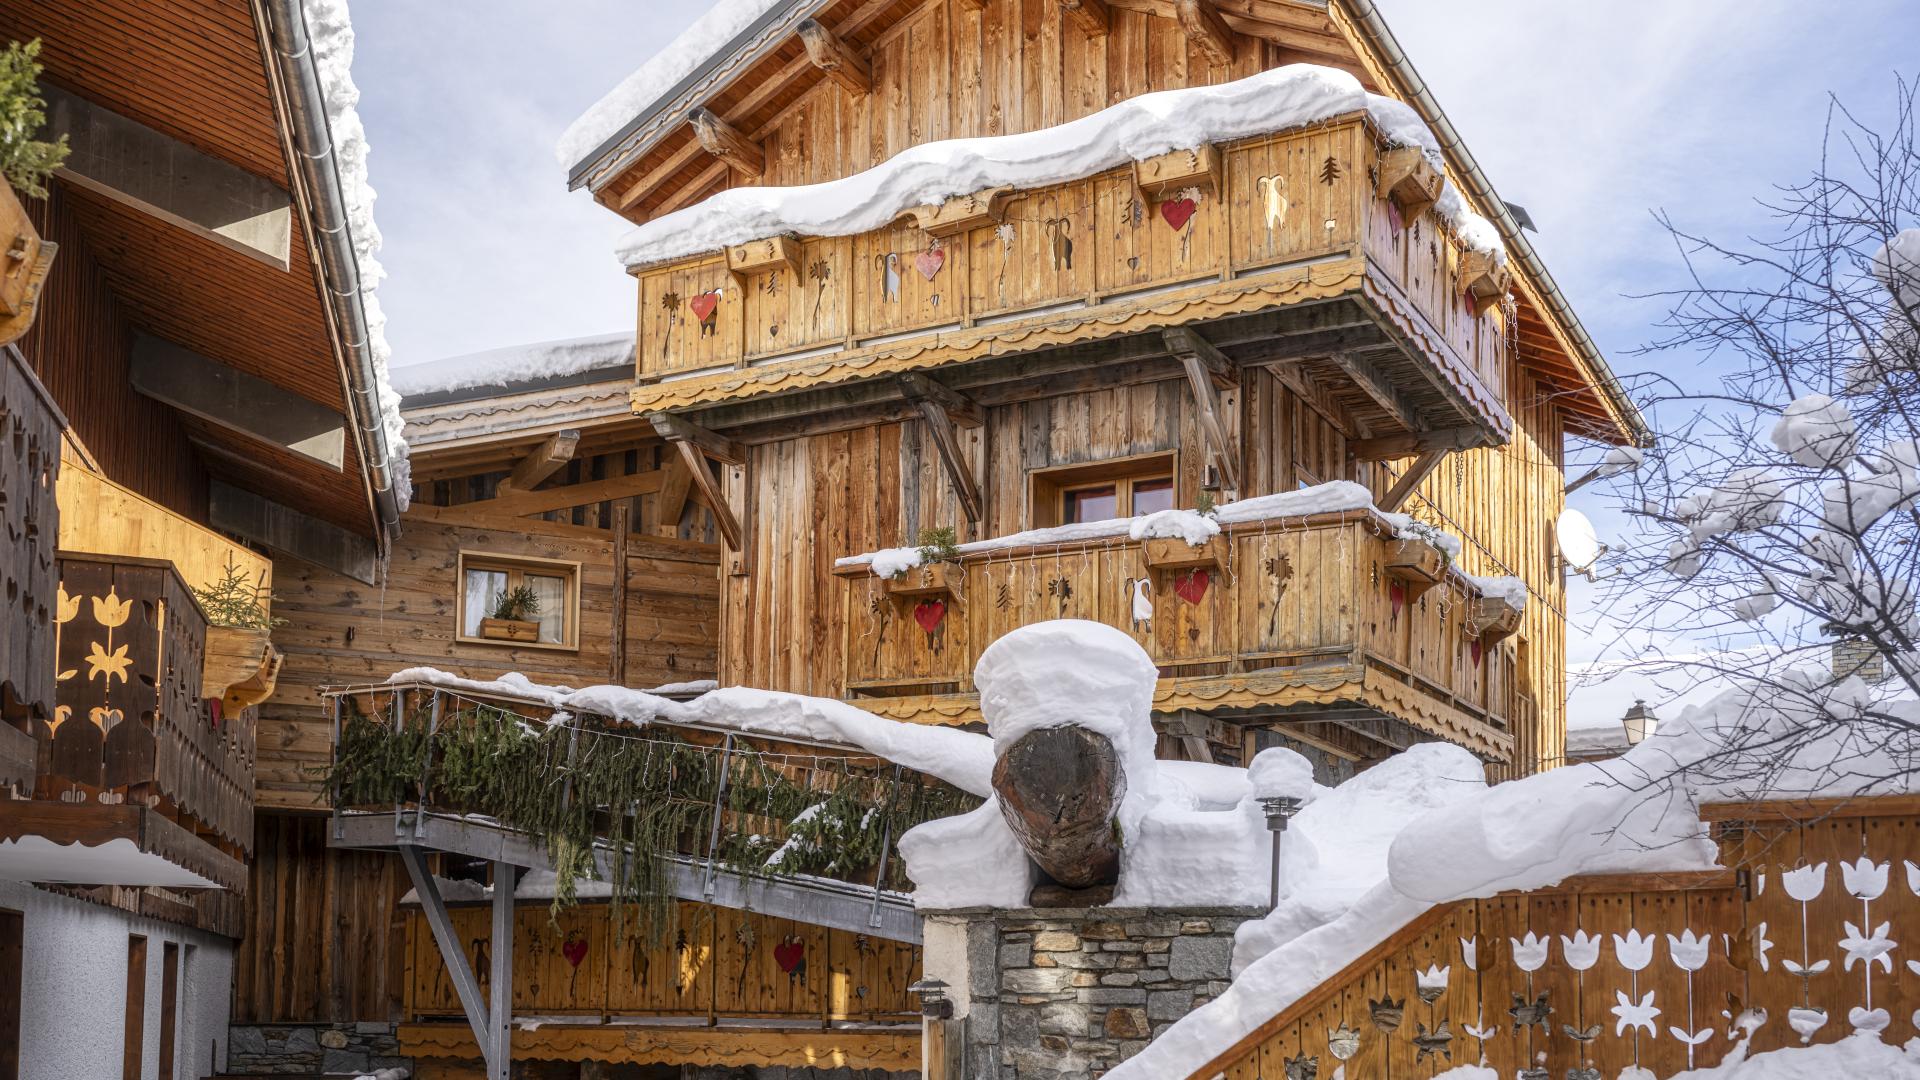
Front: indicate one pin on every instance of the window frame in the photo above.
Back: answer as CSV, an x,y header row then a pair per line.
x,y
1049,488
516,567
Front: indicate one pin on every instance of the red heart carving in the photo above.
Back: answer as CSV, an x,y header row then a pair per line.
x,y
1192,586
1398,593
702,305
928,614
574,949
1177,211
789,955
930,261
1478,651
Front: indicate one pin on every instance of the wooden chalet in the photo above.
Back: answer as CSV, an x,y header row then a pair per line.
x,y
188,384
1220,323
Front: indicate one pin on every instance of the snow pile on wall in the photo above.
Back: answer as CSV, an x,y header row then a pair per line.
x,y
330,31
516,364
1132,130
640,91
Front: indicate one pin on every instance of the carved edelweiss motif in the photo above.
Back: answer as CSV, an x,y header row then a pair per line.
x,y
1531,1013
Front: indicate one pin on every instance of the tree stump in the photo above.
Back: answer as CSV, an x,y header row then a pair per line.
x,y
1060,789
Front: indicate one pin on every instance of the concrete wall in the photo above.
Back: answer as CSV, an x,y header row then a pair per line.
x,y
73,1016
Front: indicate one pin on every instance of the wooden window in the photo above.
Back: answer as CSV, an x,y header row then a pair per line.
x,y
169,1005
12,960
1122,487
484,577
133,1049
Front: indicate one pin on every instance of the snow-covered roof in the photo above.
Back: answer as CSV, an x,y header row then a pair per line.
x,y
1135,129
517,367
330,32
710,36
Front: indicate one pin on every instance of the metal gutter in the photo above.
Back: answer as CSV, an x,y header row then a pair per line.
x,y
1367,18
340,270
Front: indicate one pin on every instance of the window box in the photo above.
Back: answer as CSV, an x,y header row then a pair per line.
x,y
1495,617
1173,553
1416,564
509,630
932,579
239,659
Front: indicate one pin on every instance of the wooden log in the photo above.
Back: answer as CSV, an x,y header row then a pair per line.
x,y
1059,790
842,64
726,142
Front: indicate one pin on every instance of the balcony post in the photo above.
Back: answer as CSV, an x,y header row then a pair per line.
x,y
719,806
338,833
426,761
500,988
886,846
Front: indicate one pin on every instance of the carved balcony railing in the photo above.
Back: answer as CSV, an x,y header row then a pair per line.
x,y
1283,616
1319,248
132,746
30,427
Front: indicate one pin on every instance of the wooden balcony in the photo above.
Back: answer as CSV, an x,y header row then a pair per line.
x,y
1315,251
1326,618
133,750
30,430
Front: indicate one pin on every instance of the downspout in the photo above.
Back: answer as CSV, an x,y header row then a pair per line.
x,y
340,270
1401,70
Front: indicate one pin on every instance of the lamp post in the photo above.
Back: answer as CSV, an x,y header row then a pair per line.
x,y
1640,723
1280,809
934,1003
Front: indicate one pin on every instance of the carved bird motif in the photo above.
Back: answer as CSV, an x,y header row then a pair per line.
x,y
889,277
1142,603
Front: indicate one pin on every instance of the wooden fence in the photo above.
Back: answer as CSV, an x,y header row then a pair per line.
x,y
1800,940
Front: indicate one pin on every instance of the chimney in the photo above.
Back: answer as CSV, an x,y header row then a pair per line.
x,y
1856,656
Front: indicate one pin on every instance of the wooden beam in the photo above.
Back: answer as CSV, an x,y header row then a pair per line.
x,y
543,461
710,493
660,174
671,505
1200,379
453,951
158,175
1204,27
284,529
617,636
1091,16
237,401
522,503
725,142
1183,341
937,406
918,388
1388,447
678,429
1369,380
1421,468
834,57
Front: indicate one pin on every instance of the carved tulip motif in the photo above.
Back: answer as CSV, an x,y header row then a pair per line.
x,y
1805,883
1431,983
109,610
1530,952
1689,952
1582,950
1634,951
1865,879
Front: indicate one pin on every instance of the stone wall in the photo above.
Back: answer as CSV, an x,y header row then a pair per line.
x,y
304,1049
1052,993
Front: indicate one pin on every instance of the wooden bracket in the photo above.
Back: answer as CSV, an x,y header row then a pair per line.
x,y
962,212
1208,371
942,408
1410,180
695,445
542,462
1176,169
1091,16
1204,27
671,505
1421,468
764,254
728,143
835,57
1369,379
1409,443
1485,279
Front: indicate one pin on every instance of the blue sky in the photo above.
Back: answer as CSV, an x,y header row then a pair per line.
x,y
1590,115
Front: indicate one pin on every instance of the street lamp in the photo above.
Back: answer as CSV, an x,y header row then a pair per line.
x,y
934,1003
1640,723
1280,809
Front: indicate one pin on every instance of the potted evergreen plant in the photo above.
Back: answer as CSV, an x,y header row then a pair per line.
x,y
514,616
240,655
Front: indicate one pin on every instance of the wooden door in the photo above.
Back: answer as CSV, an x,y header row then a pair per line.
x,y
169,1005
135,1044
12,960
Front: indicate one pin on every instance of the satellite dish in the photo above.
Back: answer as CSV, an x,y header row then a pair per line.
x,y
1580,547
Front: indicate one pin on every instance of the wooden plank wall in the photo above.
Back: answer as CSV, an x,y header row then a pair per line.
x,y
341,631
1712,951
324,935
80,347
1503,501
713,962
